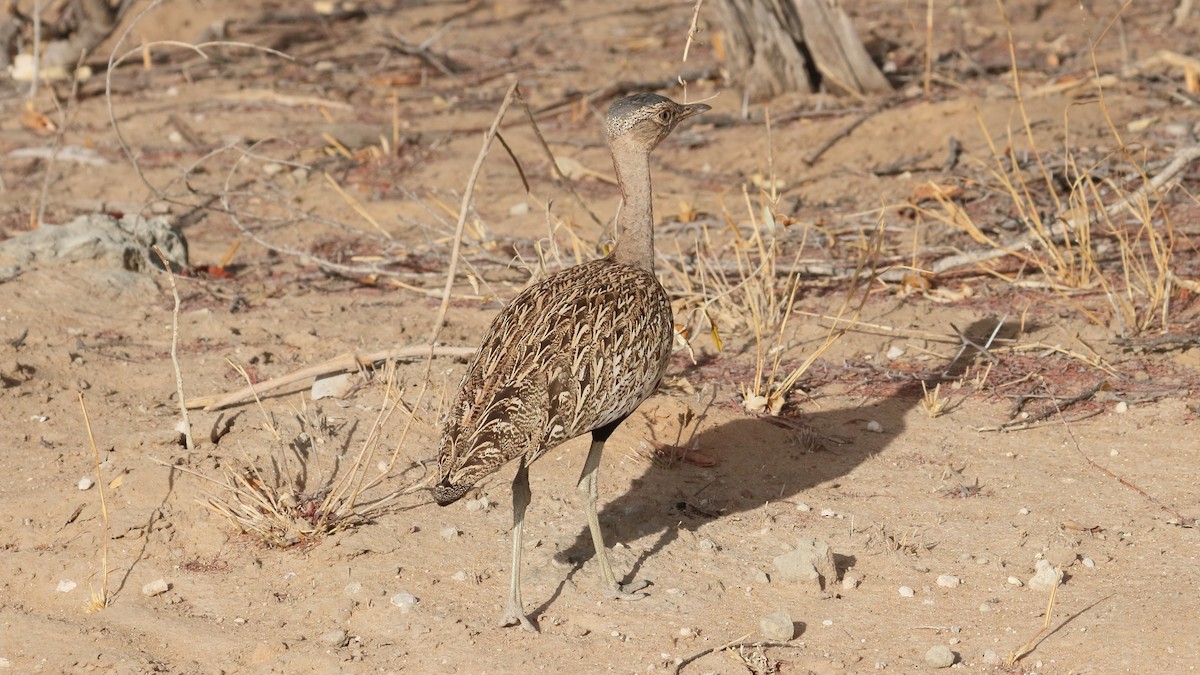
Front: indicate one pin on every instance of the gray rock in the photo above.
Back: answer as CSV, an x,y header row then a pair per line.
x,y
810,564
335,638
940,657
123,244
777,626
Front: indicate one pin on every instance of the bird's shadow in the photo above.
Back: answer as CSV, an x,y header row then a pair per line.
x,y
759,460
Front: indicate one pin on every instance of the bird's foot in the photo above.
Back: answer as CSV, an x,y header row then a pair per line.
x,y
629,591
513,616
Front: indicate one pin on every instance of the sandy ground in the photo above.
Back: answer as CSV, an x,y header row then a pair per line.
x,y
698,496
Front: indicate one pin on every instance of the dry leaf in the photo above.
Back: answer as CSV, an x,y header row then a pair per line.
x,y
687,213
930,191
116,482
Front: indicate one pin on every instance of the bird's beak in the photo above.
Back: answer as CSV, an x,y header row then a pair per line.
x,y
692,109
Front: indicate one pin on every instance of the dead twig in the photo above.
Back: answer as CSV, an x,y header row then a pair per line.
x,y
339,364
183,411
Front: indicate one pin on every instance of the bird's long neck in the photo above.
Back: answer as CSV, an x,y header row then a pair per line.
x,y
635,224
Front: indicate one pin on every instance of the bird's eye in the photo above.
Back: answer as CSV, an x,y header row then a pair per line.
x,y
664,116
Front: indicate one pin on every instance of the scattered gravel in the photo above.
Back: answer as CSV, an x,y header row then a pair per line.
x,y
777,626
940,657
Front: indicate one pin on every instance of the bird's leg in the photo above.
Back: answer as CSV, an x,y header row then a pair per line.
x,y
589,492
514,613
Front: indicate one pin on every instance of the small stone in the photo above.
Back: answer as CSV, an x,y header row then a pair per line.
x,y
336,386
5,663
827,622
981,561
758,576
948,581
449,533
273,169
874,427
1045,577
65,586
352,588
86,483
1114,452
405,601
850,581
518,209
984,608
460,575
1088,562
777,626
894,352
907,592
335,638
1013,581
827,513
810,564
939,657
1024,511
707,545
266,652
801,506
1121,408
991,658
156,587
482,504
687,632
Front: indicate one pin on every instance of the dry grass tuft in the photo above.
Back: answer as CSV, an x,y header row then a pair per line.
x,y
99,599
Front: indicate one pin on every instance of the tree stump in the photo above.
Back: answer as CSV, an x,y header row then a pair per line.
x,y
779,46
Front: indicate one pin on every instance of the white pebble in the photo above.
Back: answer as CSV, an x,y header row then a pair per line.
x,y
687,632
707,545
66,586
850,581
907,592
1121,407
405,601
449,533
1024,511
948,581
1013,581
352,588
801,506
335,638
827,513
827,622
984,608
460,575
874,427
86,483
518,209
1088,562
894,352
156,587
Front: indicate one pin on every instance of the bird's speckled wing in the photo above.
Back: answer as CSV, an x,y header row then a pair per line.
x,y
575,352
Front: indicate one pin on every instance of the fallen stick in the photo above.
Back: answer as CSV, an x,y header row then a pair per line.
x,y
339,364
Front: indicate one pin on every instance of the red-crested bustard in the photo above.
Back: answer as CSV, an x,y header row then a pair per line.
x,y
575,353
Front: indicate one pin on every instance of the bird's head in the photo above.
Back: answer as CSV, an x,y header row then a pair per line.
x,y
645,119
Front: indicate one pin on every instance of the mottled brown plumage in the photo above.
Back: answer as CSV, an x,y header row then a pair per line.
x,y
573,354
